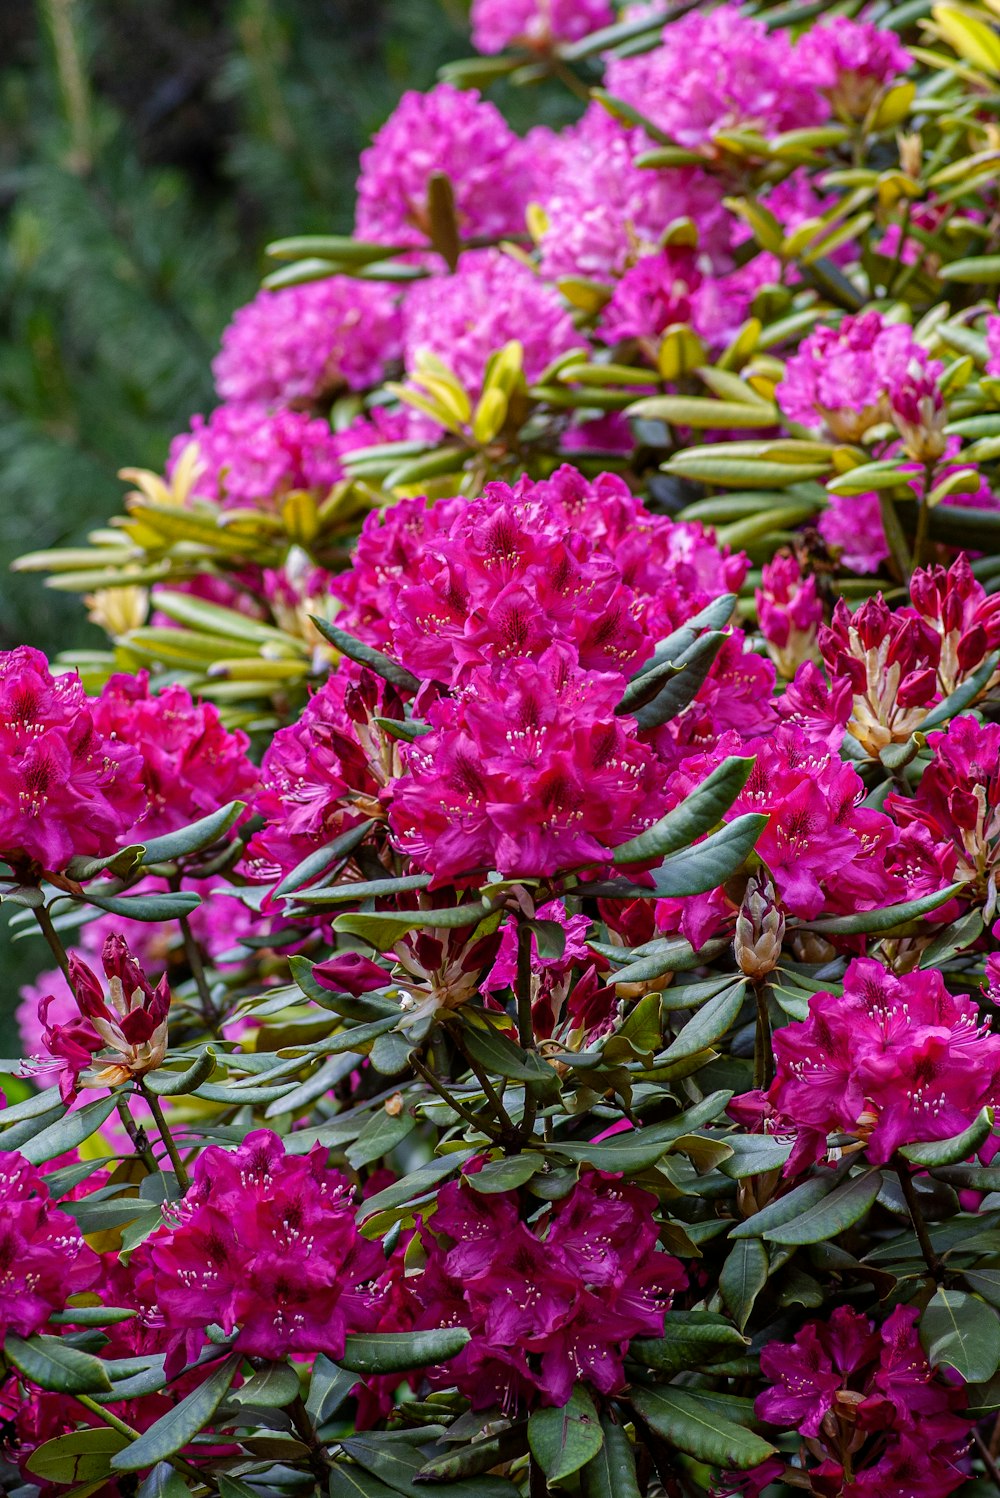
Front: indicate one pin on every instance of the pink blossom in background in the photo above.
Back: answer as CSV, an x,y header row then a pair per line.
x,y
446,130
851,61
68,788
789,612
43,1258
302,343
497,24
252,456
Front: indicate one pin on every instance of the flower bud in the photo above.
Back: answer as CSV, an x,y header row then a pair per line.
x,y
760,927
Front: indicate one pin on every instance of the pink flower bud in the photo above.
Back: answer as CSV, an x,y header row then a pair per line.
x,y
760,927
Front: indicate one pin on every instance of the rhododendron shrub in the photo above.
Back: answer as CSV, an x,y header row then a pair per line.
x,y
519,892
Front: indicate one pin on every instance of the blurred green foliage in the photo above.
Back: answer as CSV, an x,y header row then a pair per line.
x,y
148,152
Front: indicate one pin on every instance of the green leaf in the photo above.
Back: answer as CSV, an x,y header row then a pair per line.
x,y
396,1460
966,692
350,1481
354,893
691,1339
611,1473
418,1183
162,907
194,837
978,270
504,1175
77,1456
503,1057
698,412
701,809
675,683
379,1137
754,1155
365,655
784,1208
834,1214
178,1426
707,1025
120,864
271,1387
886,919
399,1352
163,1482
743,1277
320,860
564,1440
960,1331
67,1132
329,1386
383,928
708,864
950,1151
165,1083
689,1422
52,1364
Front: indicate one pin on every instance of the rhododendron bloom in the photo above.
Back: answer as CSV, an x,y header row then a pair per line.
x,y
130,1022
43,1258
191,764
959,609
893,1061
844,378
67,787
993,345
852,62
535,24
789,612
264,1244
454,132
250,456
891,663
549,1303
303,343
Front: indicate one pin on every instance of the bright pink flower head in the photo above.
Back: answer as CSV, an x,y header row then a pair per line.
x,y
893,1061
848,1384
43,1258
303,343
918,413
191,763
789,612
844,378
548,1304
718,71
455,132
891,660
265,1244
993,345
124,1016
959,609
490,299
852,62
657,291
67,789
535,24
252,457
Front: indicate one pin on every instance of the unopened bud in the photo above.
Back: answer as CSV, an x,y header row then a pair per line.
x,y
760,927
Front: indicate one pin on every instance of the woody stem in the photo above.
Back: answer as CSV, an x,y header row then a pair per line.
x,y
931,1259
180,1170
52,937
470,1118
525,1024
762,1051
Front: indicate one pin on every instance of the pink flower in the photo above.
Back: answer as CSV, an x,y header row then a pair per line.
x,y
252,457
891,661
455,132
718,71
303,343
67,788
264,1244
130,1023
548,1304
490,299
852,62
993,345
191,764
893,1061
655,292
844,378
789,612
919,416
849,1385
43,1258
852,528
535,24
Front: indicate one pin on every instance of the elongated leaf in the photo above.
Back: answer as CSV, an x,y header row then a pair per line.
x,y
390,670
382,929
697,814
329,1386
67,1132
176,1083
354,892
834,1214
682,680
960,1331
398,1352
949,1151
710,1022
754,1154
163,1482
160,907
785,1208
503,1057
886,919
350,1481
417,1184
52,1364
611,1473
380,1135
77,1456
691,1339
194,837
743,1277
564,1440
318,862
396,1461
271,1387
689,1422
173,1430
711,862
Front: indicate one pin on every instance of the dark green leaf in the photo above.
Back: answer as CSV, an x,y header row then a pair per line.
x,y
707,1025
754,1155
176,1083
398,1352
708,864
835,1213
329,1386
76,1457
503,1057
380,1135
52,1364
691,1339
887,918
365,655
194,837
163,1482
688,1421
383,928
163,907
784,1208
178,1426
743,1277
67,1132
564,1440
698,813
950,1151
506,1174
321,859
960,1331
354,1482
611,1473
397,1461
272,1387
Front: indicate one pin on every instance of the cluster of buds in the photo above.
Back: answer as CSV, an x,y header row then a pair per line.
x,y
891,663
119,1035
760,929
789,612
919,415
963,614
